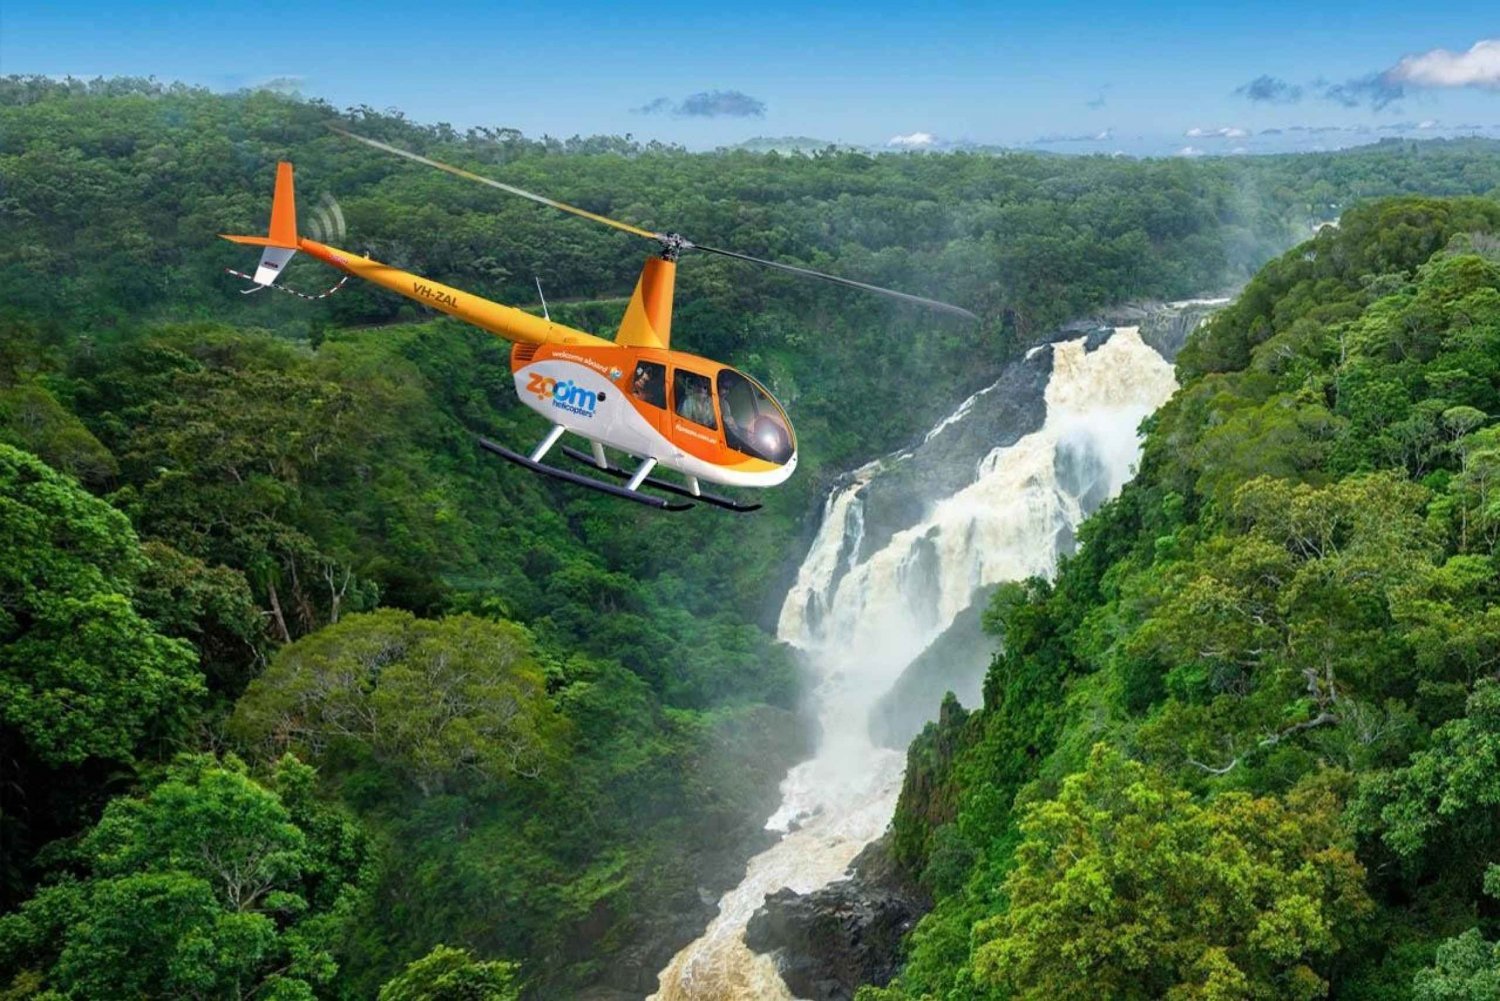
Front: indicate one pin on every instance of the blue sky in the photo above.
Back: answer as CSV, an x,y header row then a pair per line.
x,y
1138,76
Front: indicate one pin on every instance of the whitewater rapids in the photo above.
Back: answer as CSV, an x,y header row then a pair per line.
x,y
863,617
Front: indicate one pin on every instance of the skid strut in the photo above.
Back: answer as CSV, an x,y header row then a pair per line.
x,y
692,491
546,446
650,500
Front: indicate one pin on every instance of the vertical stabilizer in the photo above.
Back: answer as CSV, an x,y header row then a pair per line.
x,y
281,243
272,261
284,209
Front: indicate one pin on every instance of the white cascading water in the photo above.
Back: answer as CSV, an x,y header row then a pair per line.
x,y
861,622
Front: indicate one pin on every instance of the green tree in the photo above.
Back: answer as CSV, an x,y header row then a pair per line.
x,y
1126,884
1467,968
448,974
82,674
211,606
33,420
1442,809
205,886
435,699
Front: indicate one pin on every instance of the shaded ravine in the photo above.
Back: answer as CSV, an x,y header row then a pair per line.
x,y
906,545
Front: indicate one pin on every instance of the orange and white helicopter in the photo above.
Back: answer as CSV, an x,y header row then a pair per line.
x,y
666,408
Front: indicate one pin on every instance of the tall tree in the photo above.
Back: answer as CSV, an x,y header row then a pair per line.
x,y
209,885
435,699
82,674
1125,884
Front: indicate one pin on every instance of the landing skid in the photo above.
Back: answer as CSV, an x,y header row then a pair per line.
x,y
659,484
660,503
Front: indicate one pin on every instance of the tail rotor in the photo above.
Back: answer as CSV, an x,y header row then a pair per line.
x,y
327,222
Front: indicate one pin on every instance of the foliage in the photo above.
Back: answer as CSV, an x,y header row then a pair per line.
x,y
1302,576
431,699
447,974
212,884
1124,883
210,605
82,674
1467,969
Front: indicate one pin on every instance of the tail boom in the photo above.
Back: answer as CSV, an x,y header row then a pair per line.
x,y
282,242
503,321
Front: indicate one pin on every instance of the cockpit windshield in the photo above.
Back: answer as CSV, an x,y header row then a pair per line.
x,y
753,422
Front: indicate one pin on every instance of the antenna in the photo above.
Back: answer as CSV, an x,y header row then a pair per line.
x,y
545,315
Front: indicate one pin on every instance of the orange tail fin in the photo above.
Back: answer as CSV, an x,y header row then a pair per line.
x,y
282,242
284,209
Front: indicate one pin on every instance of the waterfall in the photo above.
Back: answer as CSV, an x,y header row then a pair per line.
x,y
865,604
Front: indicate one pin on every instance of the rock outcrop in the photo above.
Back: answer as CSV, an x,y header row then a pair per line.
x,y
829,942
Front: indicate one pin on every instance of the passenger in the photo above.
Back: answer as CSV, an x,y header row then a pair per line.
x,y
649,384
697,407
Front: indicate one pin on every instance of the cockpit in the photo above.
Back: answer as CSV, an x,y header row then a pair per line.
x,y
731,404
753,421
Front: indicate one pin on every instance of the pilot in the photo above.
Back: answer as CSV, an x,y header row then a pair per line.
x,y
733,430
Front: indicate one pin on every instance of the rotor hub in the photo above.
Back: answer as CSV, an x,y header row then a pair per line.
x,y
672,245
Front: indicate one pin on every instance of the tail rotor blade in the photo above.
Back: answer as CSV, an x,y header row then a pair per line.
x,y
321,226
326,224
849,282
336,216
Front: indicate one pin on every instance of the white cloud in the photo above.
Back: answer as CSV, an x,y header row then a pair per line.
x,y
913,140
1478,67
1430,123
1227,132
1189,151
289,85
1104,135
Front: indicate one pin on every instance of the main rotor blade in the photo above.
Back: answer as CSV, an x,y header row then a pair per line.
x,y
470,175
906,296
672,242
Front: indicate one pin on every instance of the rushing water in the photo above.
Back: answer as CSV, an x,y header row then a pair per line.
x,y
863,616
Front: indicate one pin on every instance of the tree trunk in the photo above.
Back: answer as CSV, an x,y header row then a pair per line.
x,y
286,637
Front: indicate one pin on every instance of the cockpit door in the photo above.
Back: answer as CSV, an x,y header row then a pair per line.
x,y
694,414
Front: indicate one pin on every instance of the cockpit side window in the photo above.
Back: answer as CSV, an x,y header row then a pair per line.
x,y
692,395
753,423
649,383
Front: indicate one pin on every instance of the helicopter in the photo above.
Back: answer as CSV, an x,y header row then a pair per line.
x,y
666,409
